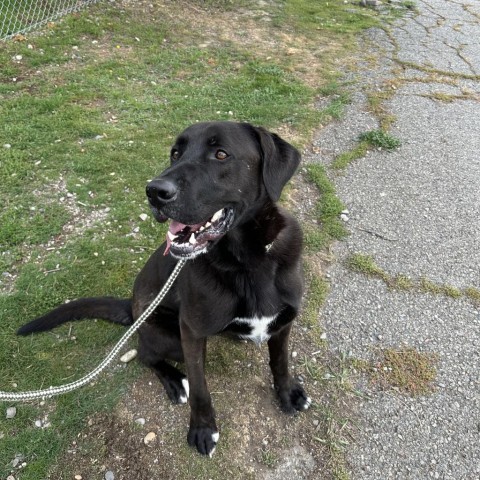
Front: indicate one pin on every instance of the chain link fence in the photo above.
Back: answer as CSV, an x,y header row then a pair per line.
x,y
21,16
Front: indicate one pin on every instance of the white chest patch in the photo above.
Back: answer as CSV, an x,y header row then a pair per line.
x,y
259,328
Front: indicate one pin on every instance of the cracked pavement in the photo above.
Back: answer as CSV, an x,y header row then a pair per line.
x,y
422,202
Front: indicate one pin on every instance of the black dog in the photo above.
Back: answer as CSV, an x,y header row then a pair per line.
x,y
244,273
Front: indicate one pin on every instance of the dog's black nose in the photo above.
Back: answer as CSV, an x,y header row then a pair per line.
x,y
161,191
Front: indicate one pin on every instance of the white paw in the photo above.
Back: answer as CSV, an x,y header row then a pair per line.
x,y
307,404
183,399
215,437
186,386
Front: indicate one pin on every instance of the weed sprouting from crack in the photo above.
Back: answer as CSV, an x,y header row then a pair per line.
x,y
343,160
373,139
450,98
473,294
365,264
380,139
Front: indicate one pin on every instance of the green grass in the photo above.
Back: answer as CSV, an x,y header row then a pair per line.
x,y
332,16
365,264
328,210
380,139
343,160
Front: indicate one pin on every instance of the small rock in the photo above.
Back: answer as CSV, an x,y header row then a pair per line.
x,y
143,217
129,356
78,477
38,423
344,217
294,354
109,475
18,458
10,477
11,412
7,145
316,422
149,438
323,336
140,421
18,57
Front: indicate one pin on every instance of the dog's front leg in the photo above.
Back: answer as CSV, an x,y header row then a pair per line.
x,y
292,396
203,433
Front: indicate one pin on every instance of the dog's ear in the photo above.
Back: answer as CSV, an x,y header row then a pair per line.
x,y
280,160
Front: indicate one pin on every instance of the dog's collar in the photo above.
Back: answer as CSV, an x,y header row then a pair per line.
x,y
268,247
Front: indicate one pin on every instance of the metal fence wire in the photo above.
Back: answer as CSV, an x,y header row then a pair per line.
x,y
21,16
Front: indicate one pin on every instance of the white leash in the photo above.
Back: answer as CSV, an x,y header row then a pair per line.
x,y
52,391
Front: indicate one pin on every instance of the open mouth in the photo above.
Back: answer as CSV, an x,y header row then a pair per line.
x,y
188,241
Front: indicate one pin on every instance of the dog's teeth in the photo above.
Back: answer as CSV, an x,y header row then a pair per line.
x,y
208,224
171,236
192,239
202,228
217,215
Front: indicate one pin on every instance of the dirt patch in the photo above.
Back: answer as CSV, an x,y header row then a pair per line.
x,y
257,440
250,28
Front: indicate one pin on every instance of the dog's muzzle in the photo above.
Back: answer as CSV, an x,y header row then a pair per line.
x,y
186,241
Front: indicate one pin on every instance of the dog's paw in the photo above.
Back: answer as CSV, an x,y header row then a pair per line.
x,y
204,439
177,390
294,399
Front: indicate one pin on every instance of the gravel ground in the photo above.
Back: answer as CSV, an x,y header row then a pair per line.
x,y
423,201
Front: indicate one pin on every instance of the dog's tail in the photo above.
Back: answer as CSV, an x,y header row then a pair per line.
x,y
114,310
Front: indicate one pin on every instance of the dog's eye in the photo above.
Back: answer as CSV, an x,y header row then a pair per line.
x,y
174,155
221,155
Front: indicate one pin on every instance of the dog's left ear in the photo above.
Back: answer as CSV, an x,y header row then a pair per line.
x,y
280,160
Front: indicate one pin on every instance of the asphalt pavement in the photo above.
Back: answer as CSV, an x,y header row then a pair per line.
x,y
416,211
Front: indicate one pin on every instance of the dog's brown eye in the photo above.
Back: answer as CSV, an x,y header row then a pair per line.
x,y
221,155
174,155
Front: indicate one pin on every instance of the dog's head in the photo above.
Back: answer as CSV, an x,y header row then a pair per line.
x,y
220,174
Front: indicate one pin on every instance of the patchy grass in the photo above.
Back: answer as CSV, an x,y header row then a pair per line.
x,y
328,209
473,294
317,293
366,265
269,458
89,113
336,377
343,160
450,98
428,286
405,370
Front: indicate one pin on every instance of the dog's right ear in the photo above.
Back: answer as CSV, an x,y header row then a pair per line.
x,y
280,161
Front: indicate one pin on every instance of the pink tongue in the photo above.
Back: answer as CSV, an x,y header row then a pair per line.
x,y
176,227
